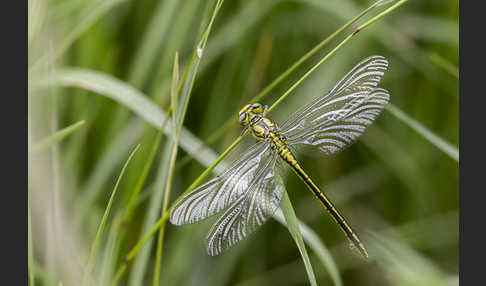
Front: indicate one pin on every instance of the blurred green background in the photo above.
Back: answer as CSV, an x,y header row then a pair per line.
x,y
91,61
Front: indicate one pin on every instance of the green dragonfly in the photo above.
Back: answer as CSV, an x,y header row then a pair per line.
x,y
250,190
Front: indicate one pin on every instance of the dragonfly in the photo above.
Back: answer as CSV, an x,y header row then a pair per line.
x,y
249,191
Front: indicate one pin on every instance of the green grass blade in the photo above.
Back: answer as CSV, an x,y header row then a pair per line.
x,y
152,213
108,86
110,251
131,98
293,227
317,246
94,247
57,137
435,140
115,152
145,171
174,96
175,136
445,65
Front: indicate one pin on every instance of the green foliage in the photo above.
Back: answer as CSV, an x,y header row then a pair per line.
x,y
100,82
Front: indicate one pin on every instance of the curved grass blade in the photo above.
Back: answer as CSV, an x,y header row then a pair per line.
x,y
293,227
57,137
108,162
94,247
131,98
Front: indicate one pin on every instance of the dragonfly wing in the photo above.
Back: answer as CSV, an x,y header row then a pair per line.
x,y
337,119
332,137
218,193
248,212
364,77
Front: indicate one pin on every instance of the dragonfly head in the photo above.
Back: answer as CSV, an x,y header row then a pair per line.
x,y
249,111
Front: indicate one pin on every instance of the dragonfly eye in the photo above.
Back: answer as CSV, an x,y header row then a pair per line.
x,y
242,119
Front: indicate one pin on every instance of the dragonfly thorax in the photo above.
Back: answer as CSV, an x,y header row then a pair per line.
x,y
252,118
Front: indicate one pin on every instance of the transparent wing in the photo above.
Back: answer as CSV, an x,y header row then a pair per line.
x,y
332,136
333,121
218,193
249,211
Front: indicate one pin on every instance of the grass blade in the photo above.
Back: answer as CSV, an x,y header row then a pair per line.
x,y
131,98
57,137
293,227
145,171
317,246
174,106
430,136
110,250
445,65
115,152
94,247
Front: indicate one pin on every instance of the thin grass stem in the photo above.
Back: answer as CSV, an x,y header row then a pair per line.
x,y
176,136
57,137
146,168
94,247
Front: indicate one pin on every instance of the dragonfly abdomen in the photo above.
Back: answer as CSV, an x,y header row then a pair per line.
x,y
286,155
